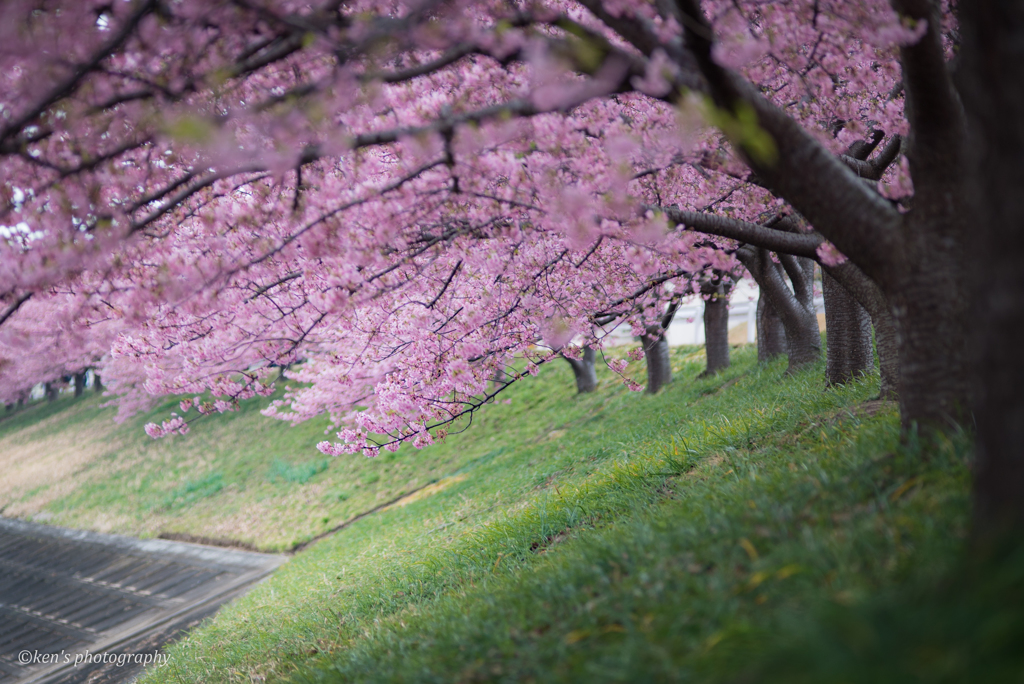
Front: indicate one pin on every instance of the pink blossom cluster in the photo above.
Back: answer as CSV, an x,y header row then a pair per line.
x,y
401,210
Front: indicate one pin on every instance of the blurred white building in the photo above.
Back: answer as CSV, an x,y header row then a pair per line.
x,y
688,325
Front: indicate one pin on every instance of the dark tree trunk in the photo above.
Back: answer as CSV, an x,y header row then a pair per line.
x,y
716,324
97,384
887,345
659,364
993,91
926,285
803,335
795,307
51,391
79,384
930,308
848,334
870,296
585,371
771,336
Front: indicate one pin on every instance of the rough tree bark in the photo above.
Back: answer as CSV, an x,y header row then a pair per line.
x,y
993,91
716,323
771,336
803,340
848,351
930,307
927,286
584,371
795,307
870,296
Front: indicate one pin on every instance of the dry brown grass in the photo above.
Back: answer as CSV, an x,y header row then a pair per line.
x,y
40,463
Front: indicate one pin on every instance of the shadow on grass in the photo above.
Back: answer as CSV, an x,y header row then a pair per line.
x,y
967,626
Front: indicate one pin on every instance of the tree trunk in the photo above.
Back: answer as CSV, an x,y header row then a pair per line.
x,y
79,384
659,365
716,324
848,334
870,296
930,306
771,336
887,345
97,384
795,307
585,371
51,391
803,336
993,91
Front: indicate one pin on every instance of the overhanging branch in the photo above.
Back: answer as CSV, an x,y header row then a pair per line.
x,y
797,244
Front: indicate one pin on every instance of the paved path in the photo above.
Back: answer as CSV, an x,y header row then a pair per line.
x,y
66,592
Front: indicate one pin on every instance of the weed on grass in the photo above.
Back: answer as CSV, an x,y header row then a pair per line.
x,y
300,473
194,490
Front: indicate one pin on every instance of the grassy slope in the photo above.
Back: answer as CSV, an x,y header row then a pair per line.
x,y
612,537
237,476
749,527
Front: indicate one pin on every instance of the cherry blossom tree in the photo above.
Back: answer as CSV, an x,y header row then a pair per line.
x,y
915,256
55,337
406,198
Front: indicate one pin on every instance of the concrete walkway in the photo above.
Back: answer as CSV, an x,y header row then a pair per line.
x,y
67,593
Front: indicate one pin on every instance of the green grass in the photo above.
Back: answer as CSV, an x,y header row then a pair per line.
x,y
744,528
238,476
194,490
689,536
300,473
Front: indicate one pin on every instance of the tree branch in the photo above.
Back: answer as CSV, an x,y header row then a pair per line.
x,y
68,86
862,224
766,274
14,307
887,155
803,282
797,244
933,108
862,149
447,282
280,281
